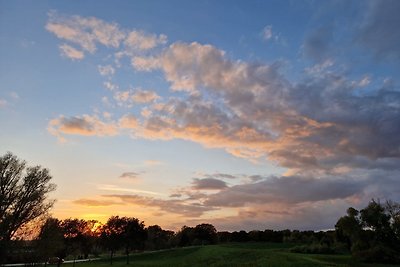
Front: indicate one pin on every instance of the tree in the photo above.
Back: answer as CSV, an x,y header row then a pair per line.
x,y
78,236
185,236
125,232
348,228
111,235
205,234
50,242
393,210
375,217
23,195
157,238
372,232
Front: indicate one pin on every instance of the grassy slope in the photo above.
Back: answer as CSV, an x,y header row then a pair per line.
x,y
244,254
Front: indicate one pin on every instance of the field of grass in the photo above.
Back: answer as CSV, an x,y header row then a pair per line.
x,y
243,254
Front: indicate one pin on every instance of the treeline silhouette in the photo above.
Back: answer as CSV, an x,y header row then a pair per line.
x,y
79,239
371,234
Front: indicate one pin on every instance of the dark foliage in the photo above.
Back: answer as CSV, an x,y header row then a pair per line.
x,y
23,196
372,234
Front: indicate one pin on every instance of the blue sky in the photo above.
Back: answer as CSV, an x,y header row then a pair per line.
x,y
245,114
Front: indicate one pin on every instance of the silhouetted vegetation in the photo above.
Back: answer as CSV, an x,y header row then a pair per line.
x,y
370,235
23,193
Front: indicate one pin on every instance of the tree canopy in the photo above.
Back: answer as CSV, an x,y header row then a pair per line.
x,y
23,194
372,234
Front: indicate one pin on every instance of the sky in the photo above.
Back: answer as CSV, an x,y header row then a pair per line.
x,y
244,114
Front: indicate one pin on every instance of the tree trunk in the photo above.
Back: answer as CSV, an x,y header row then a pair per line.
x,y
111,257
127,255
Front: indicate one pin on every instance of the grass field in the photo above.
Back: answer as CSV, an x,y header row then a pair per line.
x,y
243,254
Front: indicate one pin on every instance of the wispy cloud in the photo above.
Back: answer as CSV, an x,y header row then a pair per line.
x,y
130,175
138,40
152,162
173,206
378,32
89,32
70,52
106,70
3,103
95,202
108,187
317,44
130,97
208,184
85,32
267,32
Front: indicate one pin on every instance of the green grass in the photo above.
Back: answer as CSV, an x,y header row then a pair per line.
x,y
232,255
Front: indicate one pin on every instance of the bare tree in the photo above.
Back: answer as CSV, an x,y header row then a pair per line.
x,y
23,195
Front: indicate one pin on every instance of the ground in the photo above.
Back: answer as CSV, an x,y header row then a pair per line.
x,y
232,255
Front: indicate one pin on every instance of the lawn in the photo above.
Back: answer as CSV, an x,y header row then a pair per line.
x,y
243,254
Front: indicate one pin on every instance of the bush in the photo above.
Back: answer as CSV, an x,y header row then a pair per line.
x,y
316,248
378,253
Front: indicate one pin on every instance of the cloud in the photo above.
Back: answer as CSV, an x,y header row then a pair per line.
x,y
3,103
172,206
145,63
184,64
95,202
110,86
366,80
152,162
144,96
317,45
14,95
208,184
85,32
289,190
70,52
379,31
114,188
130,175
222,175
128,121
88,33
9,99
107,70
138,95
138,40
267,33
81,125
320,68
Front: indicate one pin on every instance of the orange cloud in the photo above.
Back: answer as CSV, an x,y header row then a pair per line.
x,y
81,125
